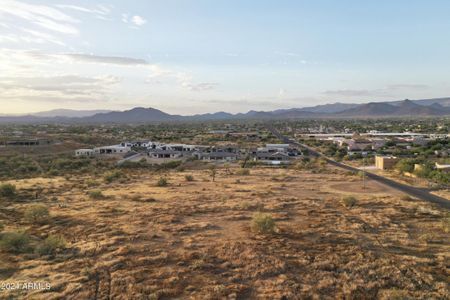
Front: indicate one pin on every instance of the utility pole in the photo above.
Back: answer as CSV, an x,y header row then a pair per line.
x,y
364,171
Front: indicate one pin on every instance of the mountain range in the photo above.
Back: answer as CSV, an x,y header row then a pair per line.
x,y
403,108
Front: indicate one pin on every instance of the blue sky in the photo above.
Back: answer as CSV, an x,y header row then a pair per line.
x,y
200,56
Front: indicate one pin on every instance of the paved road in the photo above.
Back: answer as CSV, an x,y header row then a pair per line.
x,y
420,193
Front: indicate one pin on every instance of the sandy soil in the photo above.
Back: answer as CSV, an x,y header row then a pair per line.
x,y
192,240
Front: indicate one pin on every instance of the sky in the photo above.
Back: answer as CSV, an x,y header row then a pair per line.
x,y
197,56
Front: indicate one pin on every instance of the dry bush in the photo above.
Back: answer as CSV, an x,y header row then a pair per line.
x,y
394,294
113,175
349,201
15,242
162,181
136,198
263,223
406,198
7,190
51,245
96,194
243,172
445,223
92,183
37,214
245,205
189,177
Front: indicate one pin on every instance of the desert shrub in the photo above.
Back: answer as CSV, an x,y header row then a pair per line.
x,y
263,223
134,164
113,175
7,190
394,294
162,181
169,165
37,213
245,205
2,227
243,172
406,198
91,182
446,223
96,194
51,245
16,242
189,178
136,198
349,201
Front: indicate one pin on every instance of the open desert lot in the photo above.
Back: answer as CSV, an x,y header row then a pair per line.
x,y
195,238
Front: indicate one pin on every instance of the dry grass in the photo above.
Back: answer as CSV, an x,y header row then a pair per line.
x,y
194,240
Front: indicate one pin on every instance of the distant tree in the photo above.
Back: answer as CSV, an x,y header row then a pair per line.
x,y
405,165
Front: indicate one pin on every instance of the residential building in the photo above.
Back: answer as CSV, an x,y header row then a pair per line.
x,y
84,152
385,162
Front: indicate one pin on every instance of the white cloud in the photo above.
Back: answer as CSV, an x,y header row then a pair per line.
x,y
115,60
63,87
138,20
200,87
99,11
389,90
134,21
46,17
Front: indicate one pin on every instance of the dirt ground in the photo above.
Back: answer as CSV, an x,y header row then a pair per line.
x,y
192,239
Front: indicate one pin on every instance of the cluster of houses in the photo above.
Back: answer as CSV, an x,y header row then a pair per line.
x,y
386,162
28,142
363,144
156,152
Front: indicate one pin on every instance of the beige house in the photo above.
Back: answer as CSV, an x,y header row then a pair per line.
x,y
385,162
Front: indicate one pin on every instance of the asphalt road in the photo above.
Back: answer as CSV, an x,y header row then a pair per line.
x,y
420,193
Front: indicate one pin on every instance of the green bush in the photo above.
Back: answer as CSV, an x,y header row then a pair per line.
x,y
15,242
2,227
162,181
113,175
96,194
169,165
51,245
349,201
7,190
91,182
189,178
37,213
263,223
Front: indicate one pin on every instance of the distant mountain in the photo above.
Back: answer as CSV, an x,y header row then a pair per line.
x,y
212,116
403,108
428,102
135,115
370,109
68,113
331,108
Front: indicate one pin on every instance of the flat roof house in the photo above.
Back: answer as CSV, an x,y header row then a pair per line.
x,y
28,142
84,152
273,157
115,149
157,153
217,156
385,162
